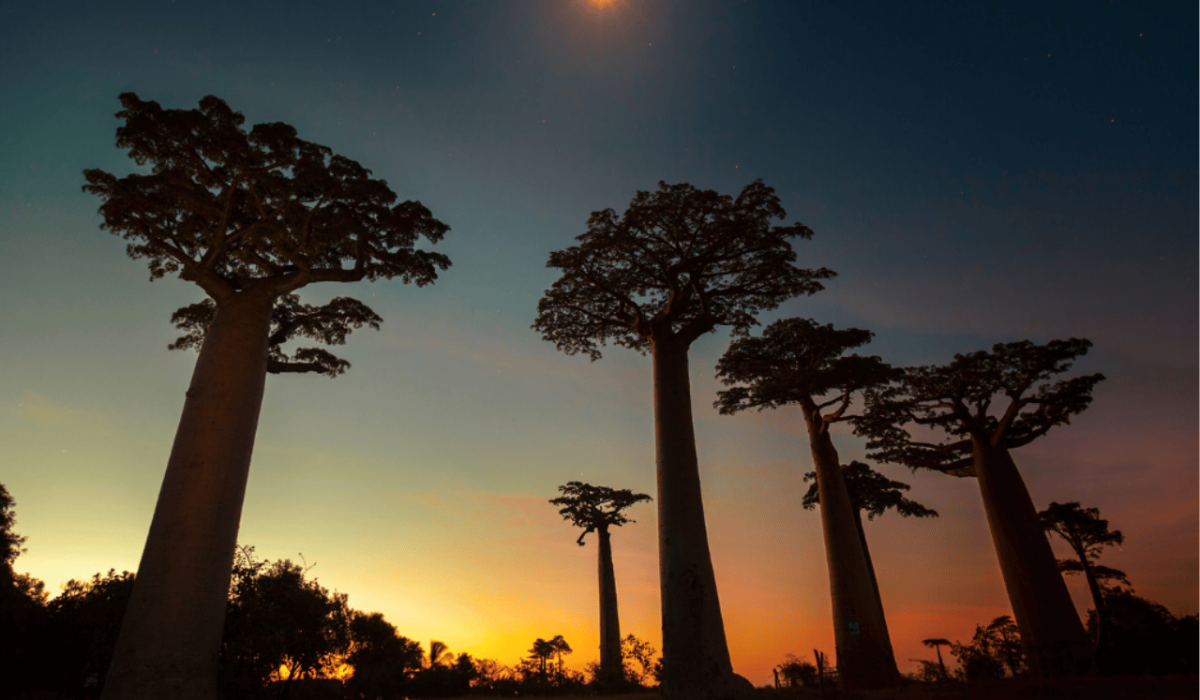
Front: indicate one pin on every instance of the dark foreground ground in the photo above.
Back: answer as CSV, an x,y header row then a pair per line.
x,y
1095,688
1106,688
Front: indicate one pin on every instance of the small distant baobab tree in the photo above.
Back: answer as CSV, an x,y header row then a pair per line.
x,y
679,263
957,400
937,644
874,493
250,218
596,509
797,362
1088,535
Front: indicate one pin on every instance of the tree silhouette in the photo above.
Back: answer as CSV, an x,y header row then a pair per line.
x,y
560,647
22,606
677,264
1146,638
596,509
278,617
957,400
798,362
639,651
10,541
875,493
250,218
936,645
1088,535
541,651
991,650
383,660
439,654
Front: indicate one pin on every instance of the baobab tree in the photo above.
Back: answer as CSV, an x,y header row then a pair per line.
x,y
874,493
679,263
250,218
956,400
596,509
936,645
797,362
1088,535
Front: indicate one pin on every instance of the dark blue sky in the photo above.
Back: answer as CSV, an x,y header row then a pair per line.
x,y
975,172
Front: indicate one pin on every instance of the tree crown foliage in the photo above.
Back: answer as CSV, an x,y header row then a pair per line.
x,y
595,507
641,652
328,324
10,541
1088,535
871,492
797,361
231,210
993,649
277,616
261,212
678,263
957,399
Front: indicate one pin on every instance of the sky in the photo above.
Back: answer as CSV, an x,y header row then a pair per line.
x,y
975,173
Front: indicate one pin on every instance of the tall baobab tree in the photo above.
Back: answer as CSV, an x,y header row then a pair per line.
x,y
957,401
250,218
1088,535
874,493
677,264
596,509
936,645
797,362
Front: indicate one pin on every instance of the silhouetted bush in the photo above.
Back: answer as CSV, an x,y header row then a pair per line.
x,y
1146,638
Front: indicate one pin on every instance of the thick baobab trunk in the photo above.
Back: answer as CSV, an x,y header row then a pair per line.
x,y
864,649
170,638
1054,639
862,539
611,669
696,662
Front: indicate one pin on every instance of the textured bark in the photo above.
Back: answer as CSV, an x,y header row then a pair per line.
x,y
696,662
1055,641
864,650
170,638
611,669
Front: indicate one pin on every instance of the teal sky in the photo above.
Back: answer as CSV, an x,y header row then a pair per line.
x,y
974,175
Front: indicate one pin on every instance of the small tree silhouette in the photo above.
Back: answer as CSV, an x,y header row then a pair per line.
x,y
439,654
1088,535
541,651
937,645
957,400
679,263
250,218
992,649
634,650
798,362
560,647
596,509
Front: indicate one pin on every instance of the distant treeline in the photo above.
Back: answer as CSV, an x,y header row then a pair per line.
x,y
285,636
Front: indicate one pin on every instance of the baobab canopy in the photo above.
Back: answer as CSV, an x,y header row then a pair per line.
x,y
232,210
956,398
682,259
